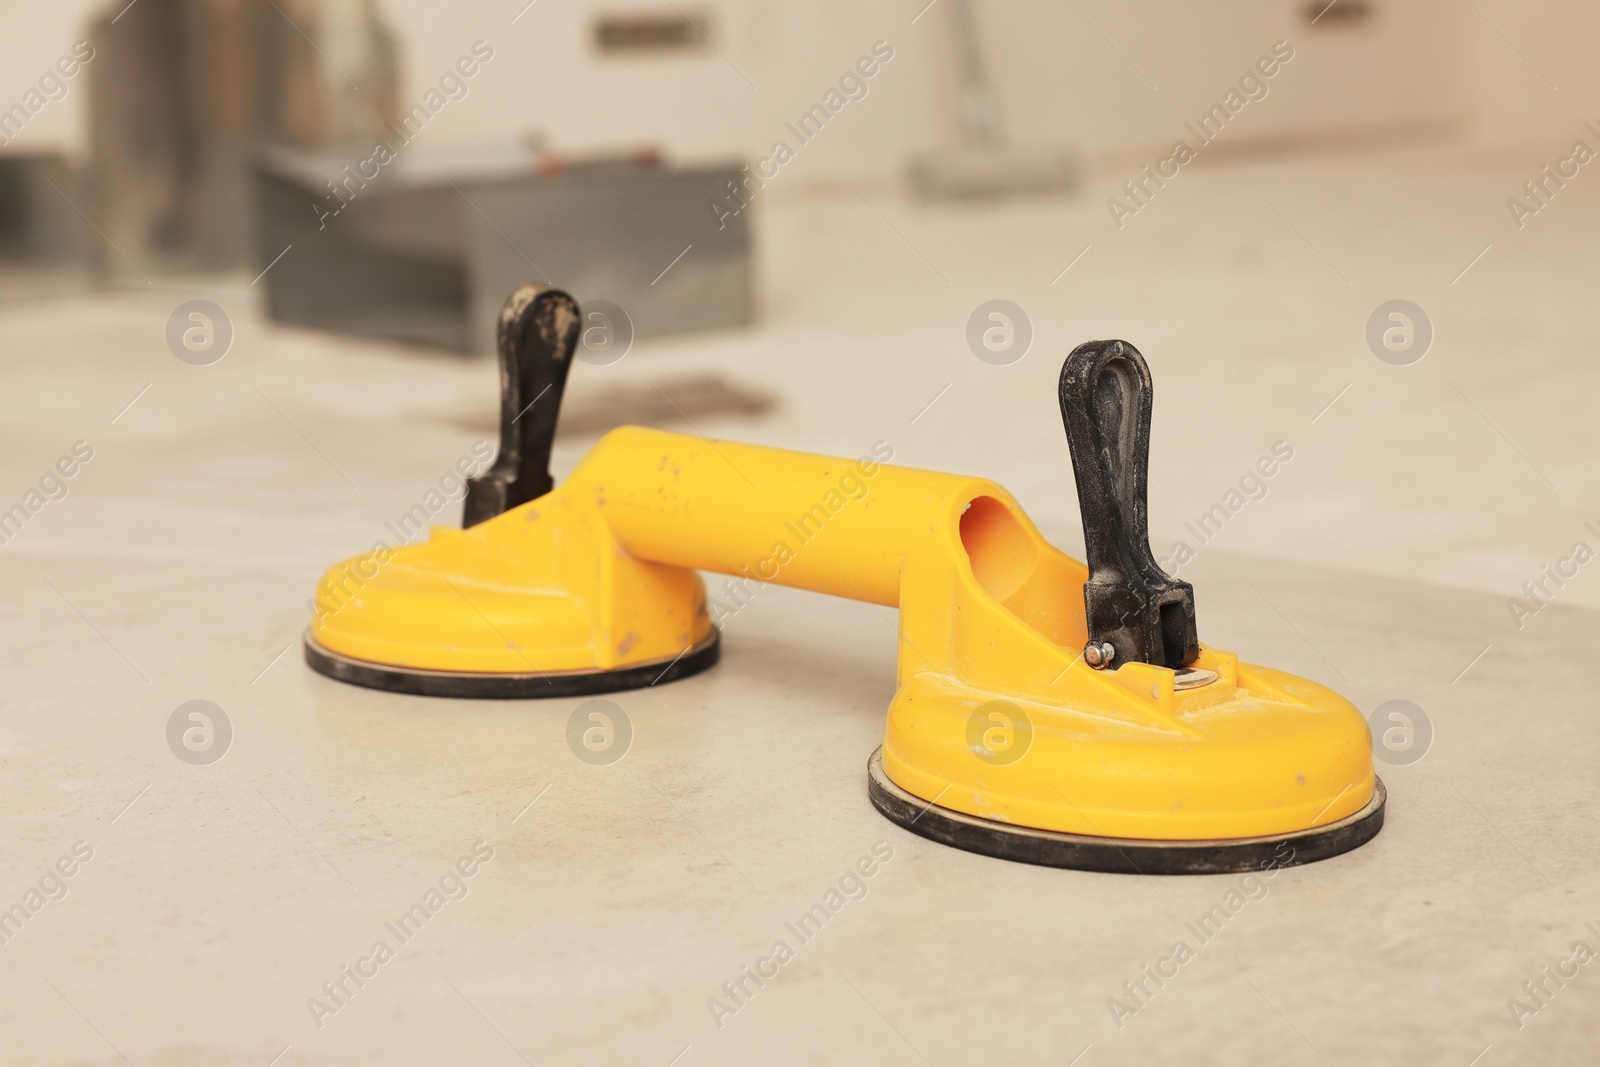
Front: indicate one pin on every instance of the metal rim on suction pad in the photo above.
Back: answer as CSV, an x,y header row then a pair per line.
x,y
1119,855
530,686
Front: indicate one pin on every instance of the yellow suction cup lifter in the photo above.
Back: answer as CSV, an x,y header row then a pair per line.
x,y
1024,725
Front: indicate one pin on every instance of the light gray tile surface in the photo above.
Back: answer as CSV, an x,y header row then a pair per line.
x,y
219,899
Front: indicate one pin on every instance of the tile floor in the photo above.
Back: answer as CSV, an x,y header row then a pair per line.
x,y
218,899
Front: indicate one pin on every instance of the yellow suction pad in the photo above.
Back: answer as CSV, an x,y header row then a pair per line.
x,y
539,601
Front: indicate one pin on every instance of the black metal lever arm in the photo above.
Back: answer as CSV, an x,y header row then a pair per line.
x,y
537,334
1144,614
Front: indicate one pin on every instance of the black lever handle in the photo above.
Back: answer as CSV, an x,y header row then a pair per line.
x,y
1133,606
537,335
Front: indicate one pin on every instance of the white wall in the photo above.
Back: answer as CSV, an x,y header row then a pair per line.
x,y
546,75
33,40
1059,80
1086,79
1540,81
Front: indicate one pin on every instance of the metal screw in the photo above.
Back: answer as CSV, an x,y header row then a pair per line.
x,y
1098,656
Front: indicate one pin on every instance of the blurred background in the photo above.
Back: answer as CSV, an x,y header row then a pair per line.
x,y
165,132
166,124
793,222
180,117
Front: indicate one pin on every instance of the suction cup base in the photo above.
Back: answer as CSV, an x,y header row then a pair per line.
x,y
1119,855
529,686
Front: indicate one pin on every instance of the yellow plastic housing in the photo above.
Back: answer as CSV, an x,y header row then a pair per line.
x,y
599,574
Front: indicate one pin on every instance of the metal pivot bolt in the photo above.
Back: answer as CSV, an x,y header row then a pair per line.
x,y
537,334
1099,655
1136,612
